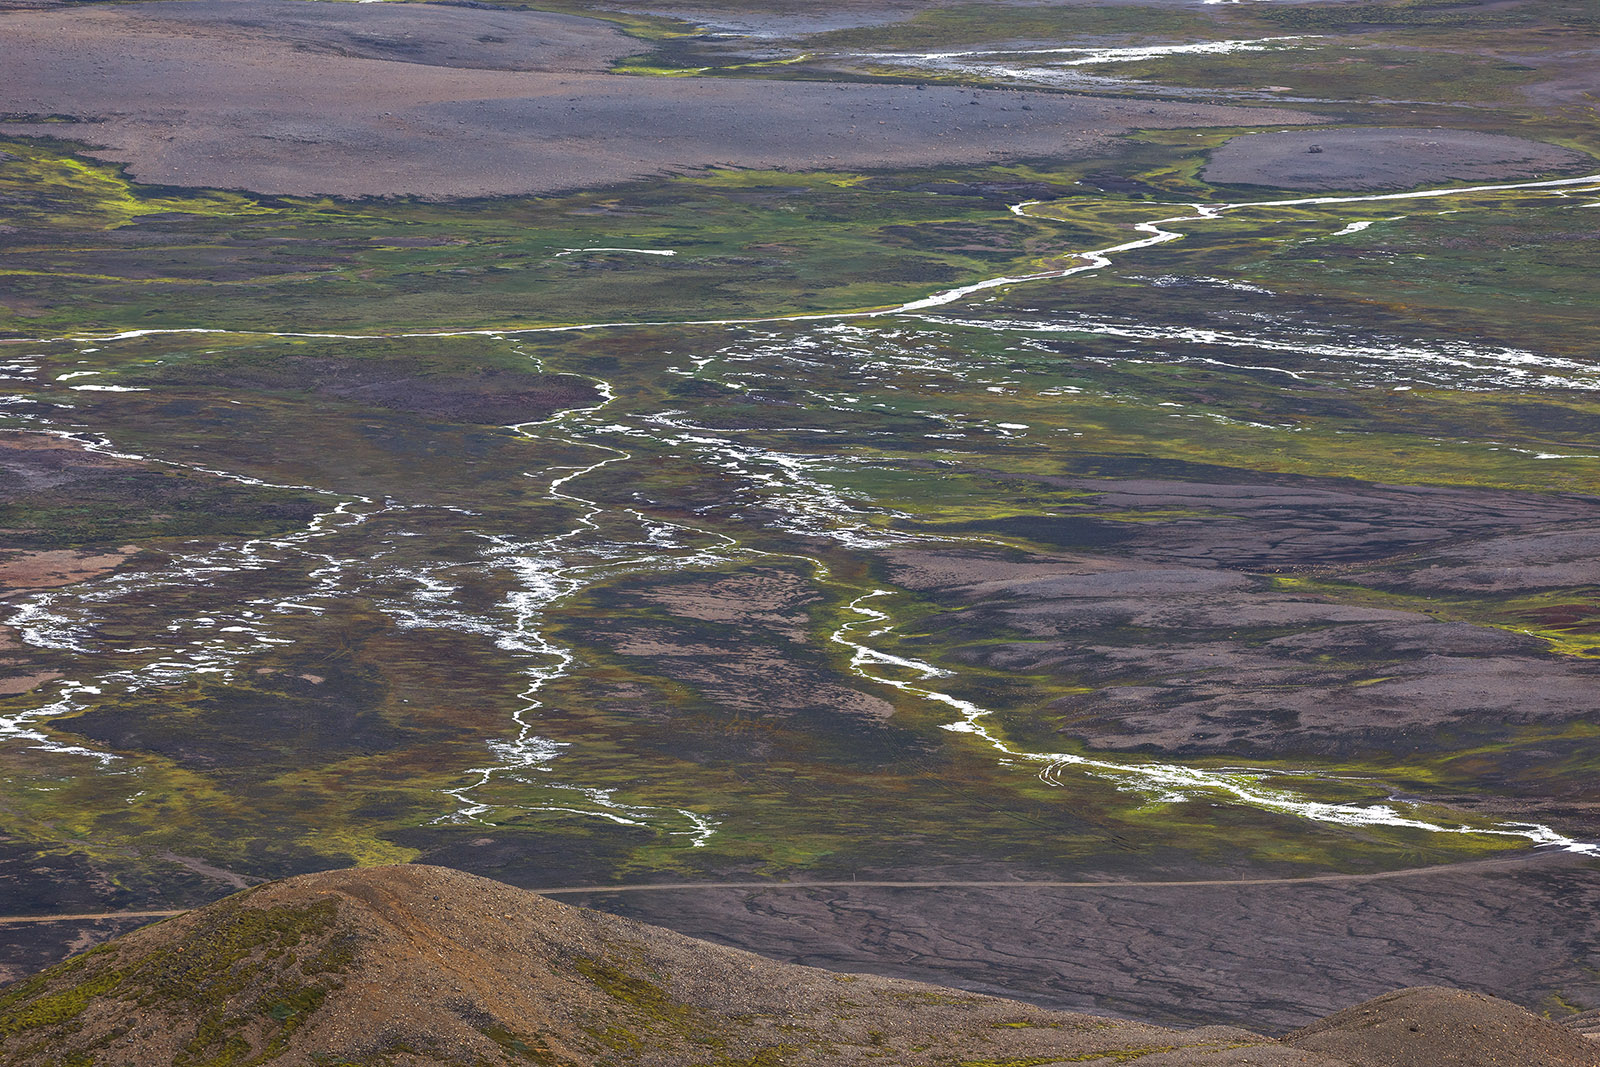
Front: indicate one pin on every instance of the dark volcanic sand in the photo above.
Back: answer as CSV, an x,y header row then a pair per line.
x,y
1369,159
1188,645
1273,955
191,94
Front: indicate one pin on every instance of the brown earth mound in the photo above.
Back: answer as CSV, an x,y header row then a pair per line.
x,y
423,965
1434,1027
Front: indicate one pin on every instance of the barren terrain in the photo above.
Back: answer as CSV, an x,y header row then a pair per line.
x,y
194,95
421,965
1363,159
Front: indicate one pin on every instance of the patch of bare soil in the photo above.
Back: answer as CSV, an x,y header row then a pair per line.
x,y
1434,1027
774,599
782,19
54,568
422,965
25,683
1363,160
191,97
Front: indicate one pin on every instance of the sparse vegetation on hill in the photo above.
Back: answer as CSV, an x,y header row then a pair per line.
x,y
422,965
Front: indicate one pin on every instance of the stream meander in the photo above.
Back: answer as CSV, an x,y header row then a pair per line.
x,y
226,603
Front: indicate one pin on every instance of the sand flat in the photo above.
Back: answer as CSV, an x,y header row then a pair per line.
x,y
1380,158
192,95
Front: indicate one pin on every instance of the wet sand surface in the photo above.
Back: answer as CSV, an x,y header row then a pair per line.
x,y
1279,956
1389,158
196,95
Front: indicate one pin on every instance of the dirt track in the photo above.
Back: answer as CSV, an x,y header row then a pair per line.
x,y
1508,863
1276,951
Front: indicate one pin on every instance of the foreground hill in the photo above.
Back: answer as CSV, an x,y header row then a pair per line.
x,y
424,965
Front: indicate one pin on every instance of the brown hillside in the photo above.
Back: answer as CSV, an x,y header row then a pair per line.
x,y
422,965
1434,1027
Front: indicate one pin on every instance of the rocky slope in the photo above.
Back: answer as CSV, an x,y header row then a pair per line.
x,y
424,965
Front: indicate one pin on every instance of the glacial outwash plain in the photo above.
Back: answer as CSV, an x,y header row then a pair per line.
x,y
1095,504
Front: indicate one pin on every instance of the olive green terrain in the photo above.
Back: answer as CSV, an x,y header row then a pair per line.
x,y
419,566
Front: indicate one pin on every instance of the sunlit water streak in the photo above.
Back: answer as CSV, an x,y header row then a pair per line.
x,y
629,251
1094,259
541,584
790,483
1458,365
546,573
1090,55
1056,66
1162,782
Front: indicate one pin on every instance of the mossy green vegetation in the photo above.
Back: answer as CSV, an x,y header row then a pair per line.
x,y
957,447
245,981
418,581
745,244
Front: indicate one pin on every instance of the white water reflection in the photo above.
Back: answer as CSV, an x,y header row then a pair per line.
x,y
1460,365
1056,66
1163,782
607,543
1093,259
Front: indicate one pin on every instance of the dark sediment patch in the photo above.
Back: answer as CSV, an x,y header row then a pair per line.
x,y
438,35
202,100
1225,631
1277,956
491,396
1361,160
1057,531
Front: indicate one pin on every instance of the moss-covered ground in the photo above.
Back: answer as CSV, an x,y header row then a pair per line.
x,y
602,636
